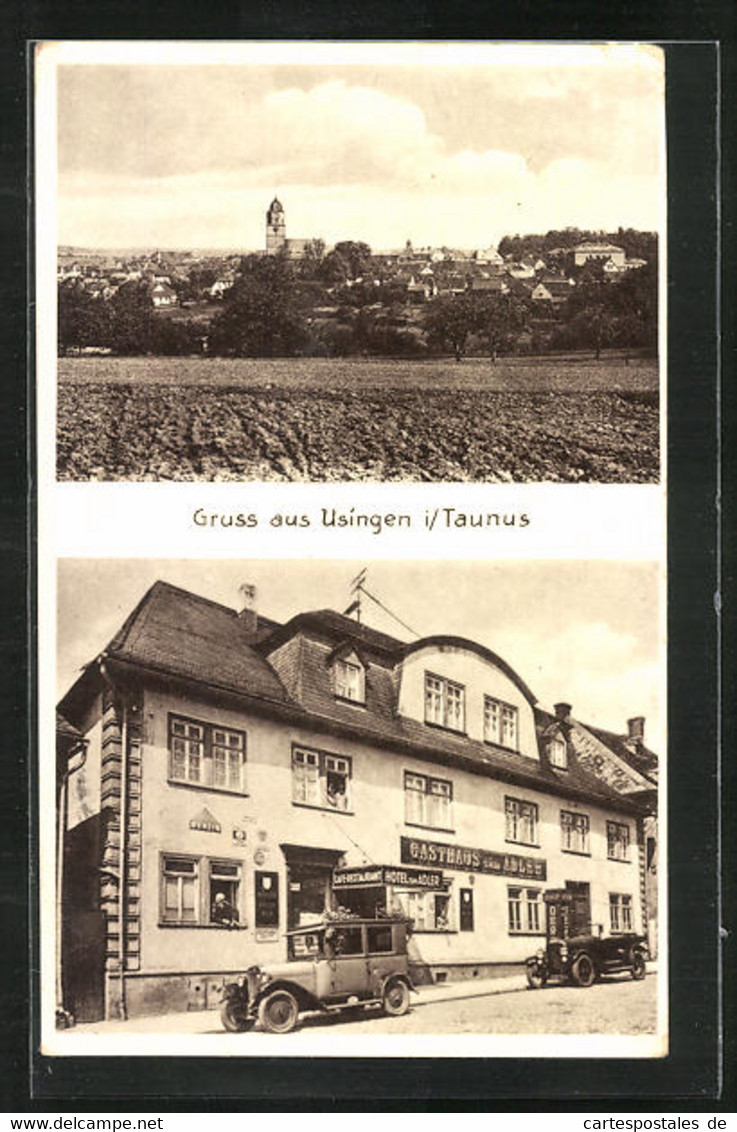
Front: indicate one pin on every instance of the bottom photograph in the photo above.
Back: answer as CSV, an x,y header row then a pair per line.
x,y
405,797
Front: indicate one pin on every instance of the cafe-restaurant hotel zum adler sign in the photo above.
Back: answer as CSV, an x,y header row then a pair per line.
x,y
235,776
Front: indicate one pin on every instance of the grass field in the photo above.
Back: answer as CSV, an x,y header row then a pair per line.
x,y
554,419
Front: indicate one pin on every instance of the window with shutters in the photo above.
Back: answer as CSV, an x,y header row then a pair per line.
x,y
321,779
204,754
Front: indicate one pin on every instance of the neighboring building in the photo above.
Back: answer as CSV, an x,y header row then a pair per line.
x,y
553,290
276,234
162,295
582,253
289,766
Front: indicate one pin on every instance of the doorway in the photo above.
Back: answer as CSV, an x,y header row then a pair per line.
x,y
309,887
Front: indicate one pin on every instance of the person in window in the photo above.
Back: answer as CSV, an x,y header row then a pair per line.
x,y
223,912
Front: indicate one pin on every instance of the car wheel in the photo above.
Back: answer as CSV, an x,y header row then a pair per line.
x,y
395,999
278,1012
583,972
639,970
234,1018
536,979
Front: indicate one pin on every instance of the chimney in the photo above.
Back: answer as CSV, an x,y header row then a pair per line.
x,y
247,613
563,712
636,729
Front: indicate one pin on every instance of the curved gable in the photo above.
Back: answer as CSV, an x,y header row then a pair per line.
x,y
485,684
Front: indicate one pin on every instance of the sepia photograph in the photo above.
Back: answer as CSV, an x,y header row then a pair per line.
x,y
353,262
318,800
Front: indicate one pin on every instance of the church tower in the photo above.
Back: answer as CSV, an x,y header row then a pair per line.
x,y
276,227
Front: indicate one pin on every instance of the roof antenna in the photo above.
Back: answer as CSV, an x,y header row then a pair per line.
x,y
356,592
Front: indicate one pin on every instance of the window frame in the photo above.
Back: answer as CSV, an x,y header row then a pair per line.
x,y
419,905
510,802
621,909
445,686
424,818
613,830
206,756
557,742
495,736
527,913
346,662
323,768
204,866
569,828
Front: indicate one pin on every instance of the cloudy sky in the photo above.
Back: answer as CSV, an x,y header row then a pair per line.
x,y
581,632
452,152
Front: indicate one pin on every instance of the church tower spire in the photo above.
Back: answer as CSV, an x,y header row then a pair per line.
x,y
276,227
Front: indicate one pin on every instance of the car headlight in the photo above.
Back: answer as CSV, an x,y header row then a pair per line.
x,y
539,954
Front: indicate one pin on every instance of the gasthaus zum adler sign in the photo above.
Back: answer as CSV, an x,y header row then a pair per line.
x,y
419,852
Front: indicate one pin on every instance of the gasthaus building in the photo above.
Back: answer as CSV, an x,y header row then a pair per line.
x,y
238,776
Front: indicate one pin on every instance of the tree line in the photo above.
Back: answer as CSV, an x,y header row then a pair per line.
x,y
275,308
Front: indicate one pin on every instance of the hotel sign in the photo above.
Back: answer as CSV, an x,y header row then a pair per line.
x,y
440,855
374,876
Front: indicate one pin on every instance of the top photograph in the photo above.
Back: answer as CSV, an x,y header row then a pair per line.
x,y
373,262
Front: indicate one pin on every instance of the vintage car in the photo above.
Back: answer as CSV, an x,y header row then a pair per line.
x,y
333,965
574,953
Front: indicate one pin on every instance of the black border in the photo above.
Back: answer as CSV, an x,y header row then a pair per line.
x,y
691,1075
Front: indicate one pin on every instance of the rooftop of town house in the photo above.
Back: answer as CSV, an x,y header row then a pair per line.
x,y
634,753
179,634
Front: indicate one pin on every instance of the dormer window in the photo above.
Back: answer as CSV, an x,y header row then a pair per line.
x,y
558,752
349,679
500,723
445,704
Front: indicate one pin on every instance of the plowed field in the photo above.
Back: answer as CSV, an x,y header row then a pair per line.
x,y
192,419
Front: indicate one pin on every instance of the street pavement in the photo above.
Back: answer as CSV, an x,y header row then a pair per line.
x,y
617,1005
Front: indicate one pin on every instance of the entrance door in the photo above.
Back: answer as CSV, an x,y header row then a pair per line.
x,y
581,908
309,876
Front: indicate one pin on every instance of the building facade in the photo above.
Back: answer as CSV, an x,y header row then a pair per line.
x,y
242,776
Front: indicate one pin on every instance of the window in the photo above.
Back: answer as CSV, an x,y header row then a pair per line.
x,y
379,940
320,779
180,890
500,723
574,832
200,890
427,801
620,912
204,755
429,911
525,911
558,753
344,941
225,882
618,841
348,681
444,703
521,821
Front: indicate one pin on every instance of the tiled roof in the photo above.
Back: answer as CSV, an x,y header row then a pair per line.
x,y
329,625
640,758
180,633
